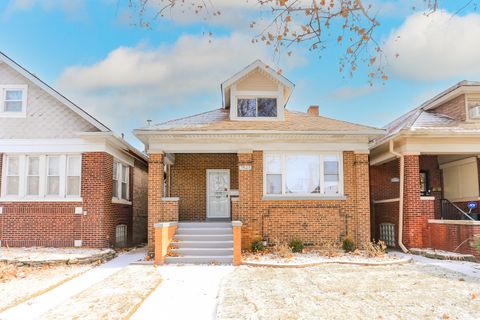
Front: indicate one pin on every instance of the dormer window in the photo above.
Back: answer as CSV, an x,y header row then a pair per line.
x,y
257,107
13,101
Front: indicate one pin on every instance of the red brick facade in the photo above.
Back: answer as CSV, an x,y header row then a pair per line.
x,y
312,221
453,237
189,180
56,224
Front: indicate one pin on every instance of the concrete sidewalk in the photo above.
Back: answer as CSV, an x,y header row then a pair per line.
x,y
187,292
471,269
34,308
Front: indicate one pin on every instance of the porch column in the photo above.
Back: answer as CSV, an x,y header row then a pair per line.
x,y
415,214
246,214
155,194
362,198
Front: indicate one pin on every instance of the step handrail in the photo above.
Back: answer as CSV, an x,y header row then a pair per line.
x,y
456,207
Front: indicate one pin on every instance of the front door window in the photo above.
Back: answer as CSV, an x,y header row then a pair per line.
x,y
218,193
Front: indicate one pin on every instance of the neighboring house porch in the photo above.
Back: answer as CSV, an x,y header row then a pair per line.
x,y
425,172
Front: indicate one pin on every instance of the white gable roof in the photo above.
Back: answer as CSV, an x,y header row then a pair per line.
x,y
24,72
225,86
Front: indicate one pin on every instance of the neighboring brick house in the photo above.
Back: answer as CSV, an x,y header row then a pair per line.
x,y
284,174
66,179
434,151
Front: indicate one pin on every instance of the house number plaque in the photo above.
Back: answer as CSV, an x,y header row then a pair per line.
x,y
245,167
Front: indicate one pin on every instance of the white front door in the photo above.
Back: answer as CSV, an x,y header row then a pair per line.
x,y
218,193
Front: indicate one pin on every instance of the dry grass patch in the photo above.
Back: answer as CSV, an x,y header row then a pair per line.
x,y
410,291
18,284
116,297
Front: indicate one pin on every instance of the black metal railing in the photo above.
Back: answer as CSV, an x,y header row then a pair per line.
x,y
450,211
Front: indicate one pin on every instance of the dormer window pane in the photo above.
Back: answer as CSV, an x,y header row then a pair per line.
x,y
267,107
247,107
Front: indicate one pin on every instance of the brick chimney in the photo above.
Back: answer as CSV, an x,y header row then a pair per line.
x,y
313,110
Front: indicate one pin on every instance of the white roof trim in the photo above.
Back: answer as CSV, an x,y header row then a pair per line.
x,y
82,113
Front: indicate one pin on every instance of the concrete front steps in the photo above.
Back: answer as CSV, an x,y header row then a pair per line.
x,y
202,243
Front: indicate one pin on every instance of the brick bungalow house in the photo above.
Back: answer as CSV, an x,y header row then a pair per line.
x,y
66,179
284,174
425,171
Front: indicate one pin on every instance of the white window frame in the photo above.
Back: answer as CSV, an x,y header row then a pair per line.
x,y
67,175
6,174
243,94
119,198
3,94
320,195
256,97
43,171
27,175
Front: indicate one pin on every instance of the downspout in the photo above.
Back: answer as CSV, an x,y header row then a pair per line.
x,y
400,201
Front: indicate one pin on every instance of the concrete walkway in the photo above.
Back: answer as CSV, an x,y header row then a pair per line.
x,y
34,308
471,269
187,292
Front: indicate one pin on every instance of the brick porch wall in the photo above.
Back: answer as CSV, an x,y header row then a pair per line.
x,y
451,237
313,221
189,180
56,224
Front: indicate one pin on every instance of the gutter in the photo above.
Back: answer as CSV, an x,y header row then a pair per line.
x,y
400,202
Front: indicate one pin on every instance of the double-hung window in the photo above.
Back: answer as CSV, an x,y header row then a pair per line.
x,y
121,181
13,176
41,177
265,107
303,174
13,100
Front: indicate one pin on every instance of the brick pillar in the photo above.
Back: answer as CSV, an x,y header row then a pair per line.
x,y
251,223
155,194
414,217
362,198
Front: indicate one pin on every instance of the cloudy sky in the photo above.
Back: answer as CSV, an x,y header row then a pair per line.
x,y
123,75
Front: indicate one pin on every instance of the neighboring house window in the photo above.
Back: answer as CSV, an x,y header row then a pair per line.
x,y
53,175
257,107
303,174
33,176
42,177
13,101
121,235
74,170
460,180
424,183
121,181
13,175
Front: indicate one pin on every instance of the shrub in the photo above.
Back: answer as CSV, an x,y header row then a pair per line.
x,y
296,245
282,250
376,249
348,245
257,245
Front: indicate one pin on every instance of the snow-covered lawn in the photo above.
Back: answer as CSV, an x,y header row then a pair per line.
x,y
318,256
18,284
116,297
47,255
410,291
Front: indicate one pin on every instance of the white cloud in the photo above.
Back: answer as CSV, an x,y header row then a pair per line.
x,y
73,8
135,83
350,93
434,47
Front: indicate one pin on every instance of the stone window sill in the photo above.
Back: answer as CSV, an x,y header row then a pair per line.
x,y
121,201
314,198
12,199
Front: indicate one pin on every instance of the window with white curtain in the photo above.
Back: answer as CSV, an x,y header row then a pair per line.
x,y
308,173
13,176
33,176
121,181
39,176
74,171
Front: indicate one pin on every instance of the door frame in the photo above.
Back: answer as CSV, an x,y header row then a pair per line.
x,y
207,193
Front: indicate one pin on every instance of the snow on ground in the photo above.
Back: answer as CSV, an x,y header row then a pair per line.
x,y
32,308
18,284
411,291
316,256
48,254
186,292
116,297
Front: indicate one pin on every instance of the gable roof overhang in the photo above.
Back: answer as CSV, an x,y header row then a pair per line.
x,y
225,86
54,93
